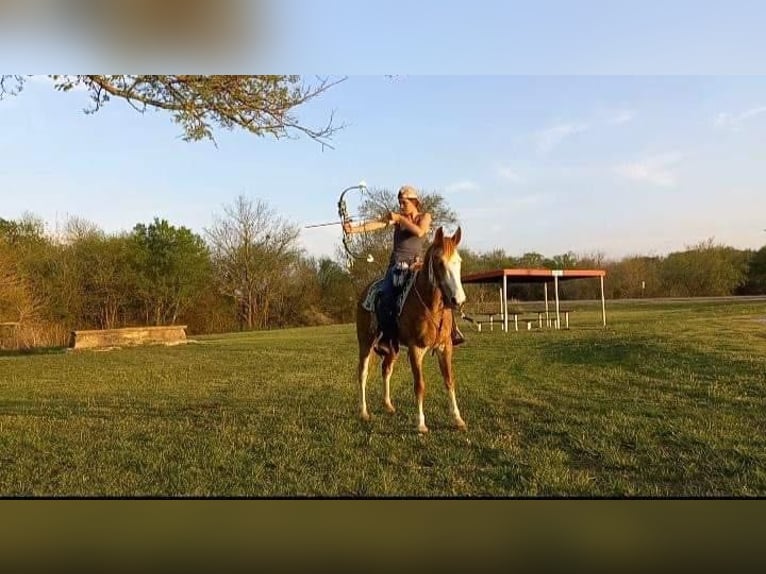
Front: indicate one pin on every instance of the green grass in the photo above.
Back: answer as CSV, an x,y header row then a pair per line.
x,y
669,400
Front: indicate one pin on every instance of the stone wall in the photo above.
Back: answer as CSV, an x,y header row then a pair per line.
x,y
129,336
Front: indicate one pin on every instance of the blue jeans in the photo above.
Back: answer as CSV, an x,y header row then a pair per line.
x,y
387,307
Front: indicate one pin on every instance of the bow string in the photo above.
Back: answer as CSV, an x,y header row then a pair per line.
x,y
346,218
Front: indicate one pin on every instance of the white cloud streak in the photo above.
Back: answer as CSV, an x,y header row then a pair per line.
x,y
462,186
622,117
656,170
549,138
509,174
735,121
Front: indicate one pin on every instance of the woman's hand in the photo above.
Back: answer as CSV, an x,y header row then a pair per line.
x,y
394,217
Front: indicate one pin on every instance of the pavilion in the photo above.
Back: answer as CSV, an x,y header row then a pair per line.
x,y
545,276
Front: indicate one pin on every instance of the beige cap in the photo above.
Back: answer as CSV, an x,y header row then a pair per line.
x,y
409,192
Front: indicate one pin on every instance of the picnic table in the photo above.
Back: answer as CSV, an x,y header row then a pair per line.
x,y
505,276
550,317
528,317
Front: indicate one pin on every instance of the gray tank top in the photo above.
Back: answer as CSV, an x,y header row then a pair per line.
x,y
407,246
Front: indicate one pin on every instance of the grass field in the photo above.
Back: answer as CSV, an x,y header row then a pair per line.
x,y
669,400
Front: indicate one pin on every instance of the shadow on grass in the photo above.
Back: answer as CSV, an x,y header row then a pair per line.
x,y
33,352
650,356
595,352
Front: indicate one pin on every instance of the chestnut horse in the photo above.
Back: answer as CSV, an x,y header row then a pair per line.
x,y
425,323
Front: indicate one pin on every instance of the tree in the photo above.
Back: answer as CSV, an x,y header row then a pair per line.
x,y
17,303
24,233
172,265
706,269
25,257
756,273
67,296
251,249
581,289
336,289
568,260
99,263
532,260
261,105
299,301
634,277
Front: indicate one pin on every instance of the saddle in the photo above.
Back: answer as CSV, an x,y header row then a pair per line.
x,y
404,279
371,300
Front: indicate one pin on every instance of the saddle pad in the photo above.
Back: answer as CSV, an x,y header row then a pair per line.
x,y
369,301
372,295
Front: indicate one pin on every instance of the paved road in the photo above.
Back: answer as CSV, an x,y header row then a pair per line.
x,y
737,298
653,300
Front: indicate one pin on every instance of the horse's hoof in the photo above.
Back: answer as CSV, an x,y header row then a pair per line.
x,y
365,416
423,429
460,424
390,408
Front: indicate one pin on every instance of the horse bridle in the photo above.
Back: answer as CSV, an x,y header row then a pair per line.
x,y
439,285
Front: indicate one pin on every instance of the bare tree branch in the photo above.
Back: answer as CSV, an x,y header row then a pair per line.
x,y
262,105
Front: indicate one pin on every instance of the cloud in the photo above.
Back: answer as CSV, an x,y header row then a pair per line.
x,y
461,186
500,207
656,170
549,138
509,174
735,121
621,117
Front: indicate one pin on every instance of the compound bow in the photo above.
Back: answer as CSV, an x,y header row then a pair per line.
x,y
345,218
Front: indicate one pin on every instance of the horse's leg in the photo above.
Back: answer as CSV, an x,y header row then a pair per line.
x,y
445,366
362,371
416,355
387,369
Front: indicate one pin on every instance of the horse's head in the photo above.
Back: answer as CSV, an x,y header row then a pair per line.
x,y
444,263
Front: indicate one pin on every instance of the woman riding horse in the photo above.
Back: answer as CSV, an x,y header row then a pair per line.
x,y
411,227
425,323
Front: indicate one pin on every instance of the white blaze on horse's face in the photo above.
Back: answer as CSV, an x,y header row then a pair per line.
x,y
451,284
455,295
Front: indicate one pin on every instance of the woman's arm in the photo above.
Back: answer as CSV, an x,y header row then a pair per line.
x,y
420,228
370,225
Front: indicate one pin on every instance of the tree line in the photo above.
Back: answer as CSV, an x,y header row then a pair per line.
x,y
706,269
247,272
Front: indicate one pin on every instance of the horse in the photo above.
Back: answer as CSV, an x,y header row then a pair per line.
x,y
425,323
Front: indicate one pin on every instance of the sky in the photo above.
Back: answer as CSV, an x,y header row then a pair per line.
x,y
618,130
416,37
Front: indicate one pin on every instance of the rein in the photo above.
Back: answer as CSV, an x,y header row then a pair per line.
x,y
434,284
429,315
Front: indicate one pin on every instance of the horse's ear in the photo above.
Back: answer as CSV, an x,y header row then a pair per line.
x,y
439,237
457,237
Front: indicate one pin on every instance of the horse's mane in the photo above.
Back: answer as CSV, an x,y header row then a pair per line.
x,y
447,245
